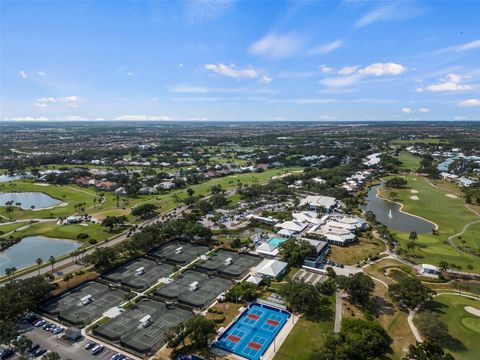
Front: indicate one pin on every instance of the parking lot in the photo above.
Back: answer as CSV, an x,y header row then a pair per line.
x,y
55,343
309,277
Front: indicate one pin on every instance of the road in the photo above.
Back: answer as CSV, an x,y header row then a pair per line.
x,y
70,264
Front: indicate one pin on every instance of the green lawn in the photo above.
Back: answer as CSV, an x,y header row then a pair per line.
x,y
306,336
449,213
353,254
409,161
432,141
167,201
6,228
68,194
463,326
51,230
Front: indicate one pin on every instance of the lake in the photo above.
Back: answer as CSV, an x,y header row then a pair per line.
x,y
30,248
27,199
397,220
5,178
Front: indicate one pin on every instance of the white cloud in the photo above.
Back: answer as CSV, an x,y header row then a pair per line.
x,y
231,71
326,69
469,102
347,70
450,83
277,46
381,69
389,12
326,48
141,118
340,81
472,45
460,118
407,110
303,101
68,101
189,89
41,73
469,46
265,80
22,74
424,110
353,74
28,118
180,65
72,118
198,10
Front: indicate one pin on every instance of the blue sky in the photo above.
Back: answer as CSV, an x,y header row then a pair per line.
x,y
240,60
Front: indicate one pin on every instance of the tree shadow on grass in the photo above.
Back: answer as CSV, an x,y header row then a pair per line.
x,y
322,313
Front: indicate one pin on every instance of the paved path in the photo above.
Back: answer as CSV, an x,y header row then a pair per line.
x,y
412,313
416,333
338,312
451,237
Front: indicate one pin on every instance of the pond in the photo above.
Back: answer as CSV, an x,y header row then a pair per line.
x,y
30,248
5,178
388,213
27,199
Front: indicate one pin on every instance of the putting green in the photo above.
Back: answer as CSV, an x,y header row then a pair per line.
x,y
440,250
472,323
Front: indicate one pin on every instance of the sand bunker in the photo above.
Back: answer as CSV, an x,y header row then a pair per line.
x,y
472,310
414,197
452,196
413,191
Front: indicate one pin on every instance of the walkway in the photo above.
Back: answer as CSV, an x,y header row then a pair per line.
x,y
338,312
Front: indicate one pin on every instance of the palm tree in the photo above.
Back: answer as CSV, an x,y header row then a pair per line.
x,y
39,262
52,261
8,272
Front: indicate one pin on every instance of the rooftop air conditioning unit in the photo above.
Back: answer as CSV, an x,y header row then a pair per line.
x,y
178,250
86,299
146,320
228,261
140,271
193,286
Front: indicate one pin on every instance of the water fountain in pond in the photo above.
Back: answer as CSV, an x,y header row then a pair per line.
x,y
390,216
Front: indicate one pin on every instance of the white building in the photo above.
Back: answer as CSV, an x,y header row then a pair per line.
x,y
336,236
290,228
318,202
270,268
430,269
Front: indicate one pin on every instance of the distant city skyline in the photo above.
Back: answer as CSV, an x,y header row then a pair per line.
x,y
240,60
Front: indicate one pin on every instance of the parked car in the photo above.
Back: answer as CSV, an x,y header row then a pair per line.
x,y
39,323
89,345
5,353
97,349
33,348
118,356
57,330
40,352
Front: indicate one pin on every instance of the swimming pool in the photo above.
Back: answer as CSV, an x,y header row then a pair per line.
x,y
276,241
253,332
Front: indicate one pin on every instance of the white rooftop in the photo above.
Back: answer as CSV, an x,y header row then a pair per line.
x,y
319,201
271,268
